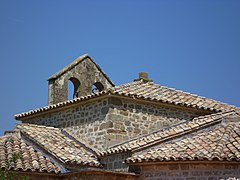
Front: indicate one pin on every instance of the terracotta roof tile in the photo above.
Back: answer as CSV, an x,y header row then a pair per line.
x,y
157,92
220,142
29,159
59,144
146,91
172,132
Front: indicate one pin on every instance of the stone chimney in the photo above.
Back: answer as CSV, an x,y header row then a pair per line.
x,y
143,76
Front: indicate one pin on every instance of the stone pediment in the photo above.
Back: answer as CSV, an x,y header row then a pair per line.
x,y
84,73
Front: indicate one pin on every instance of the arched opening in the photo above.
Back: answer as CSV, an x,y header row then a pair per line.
x,y
97,87
73,88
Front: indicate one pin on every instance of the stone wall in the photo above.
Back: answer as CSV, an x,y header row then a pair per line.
x,y
87,122
110,121
190,171
115,162
131,119
82,175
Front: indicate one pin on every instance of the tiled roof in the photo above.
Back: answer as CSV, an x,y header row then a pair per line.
x,y
145,91
172,132
74,63
29,159
156,92
220,142
61,145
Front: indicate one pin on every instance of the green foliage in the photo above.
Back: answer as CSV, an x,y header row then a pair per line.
x,y
14,158
9,175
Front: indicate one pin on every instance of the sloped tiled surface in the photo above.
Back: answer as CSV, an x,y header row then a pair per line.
x,y
156,92
221,142
29,159
173,131
146,91
60,145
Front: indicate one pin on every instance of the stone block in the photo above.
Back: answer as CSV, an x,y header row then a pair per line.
x,y
191,178
137,130
109,137
174,173
124,112
119,138
115,101
213,178
115,131
127,123
115,117
104,110
106,125
196,173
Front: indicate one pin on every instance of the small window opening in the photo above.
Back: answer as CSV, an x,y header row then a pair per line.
x,y
97,87
73,88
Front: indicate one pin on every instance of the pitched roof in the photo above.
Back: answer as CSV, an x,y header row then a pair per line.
x,y
156,92
221,142
171,132
74,63
60,145
29,158
145,91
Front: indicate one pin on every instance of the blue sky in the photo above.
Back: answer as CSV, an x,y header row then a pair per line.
x,y
189,45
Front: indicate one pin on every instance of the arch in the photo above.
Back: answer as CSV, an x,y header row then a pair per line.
x,y
73,92
97,87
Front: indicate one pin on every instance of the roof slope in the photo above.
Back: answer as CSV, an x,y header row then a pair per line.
x,y
29,158
156,92
59,144
145,91
172,132
221,142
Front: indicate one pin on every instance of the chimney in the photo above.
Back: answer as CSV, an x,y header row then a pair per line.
x,y
143,76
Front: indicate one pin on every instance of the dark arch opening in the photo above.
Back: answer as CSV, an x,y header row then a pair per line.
x,y
73,88
97,87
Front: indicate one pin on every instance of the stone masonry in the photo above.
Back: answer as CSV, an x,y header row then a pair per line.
x,y
83,73
110,121
190,171
115,162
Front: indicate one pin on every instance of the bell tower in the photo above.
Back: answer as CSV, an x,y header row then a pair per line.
x,y
84,74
